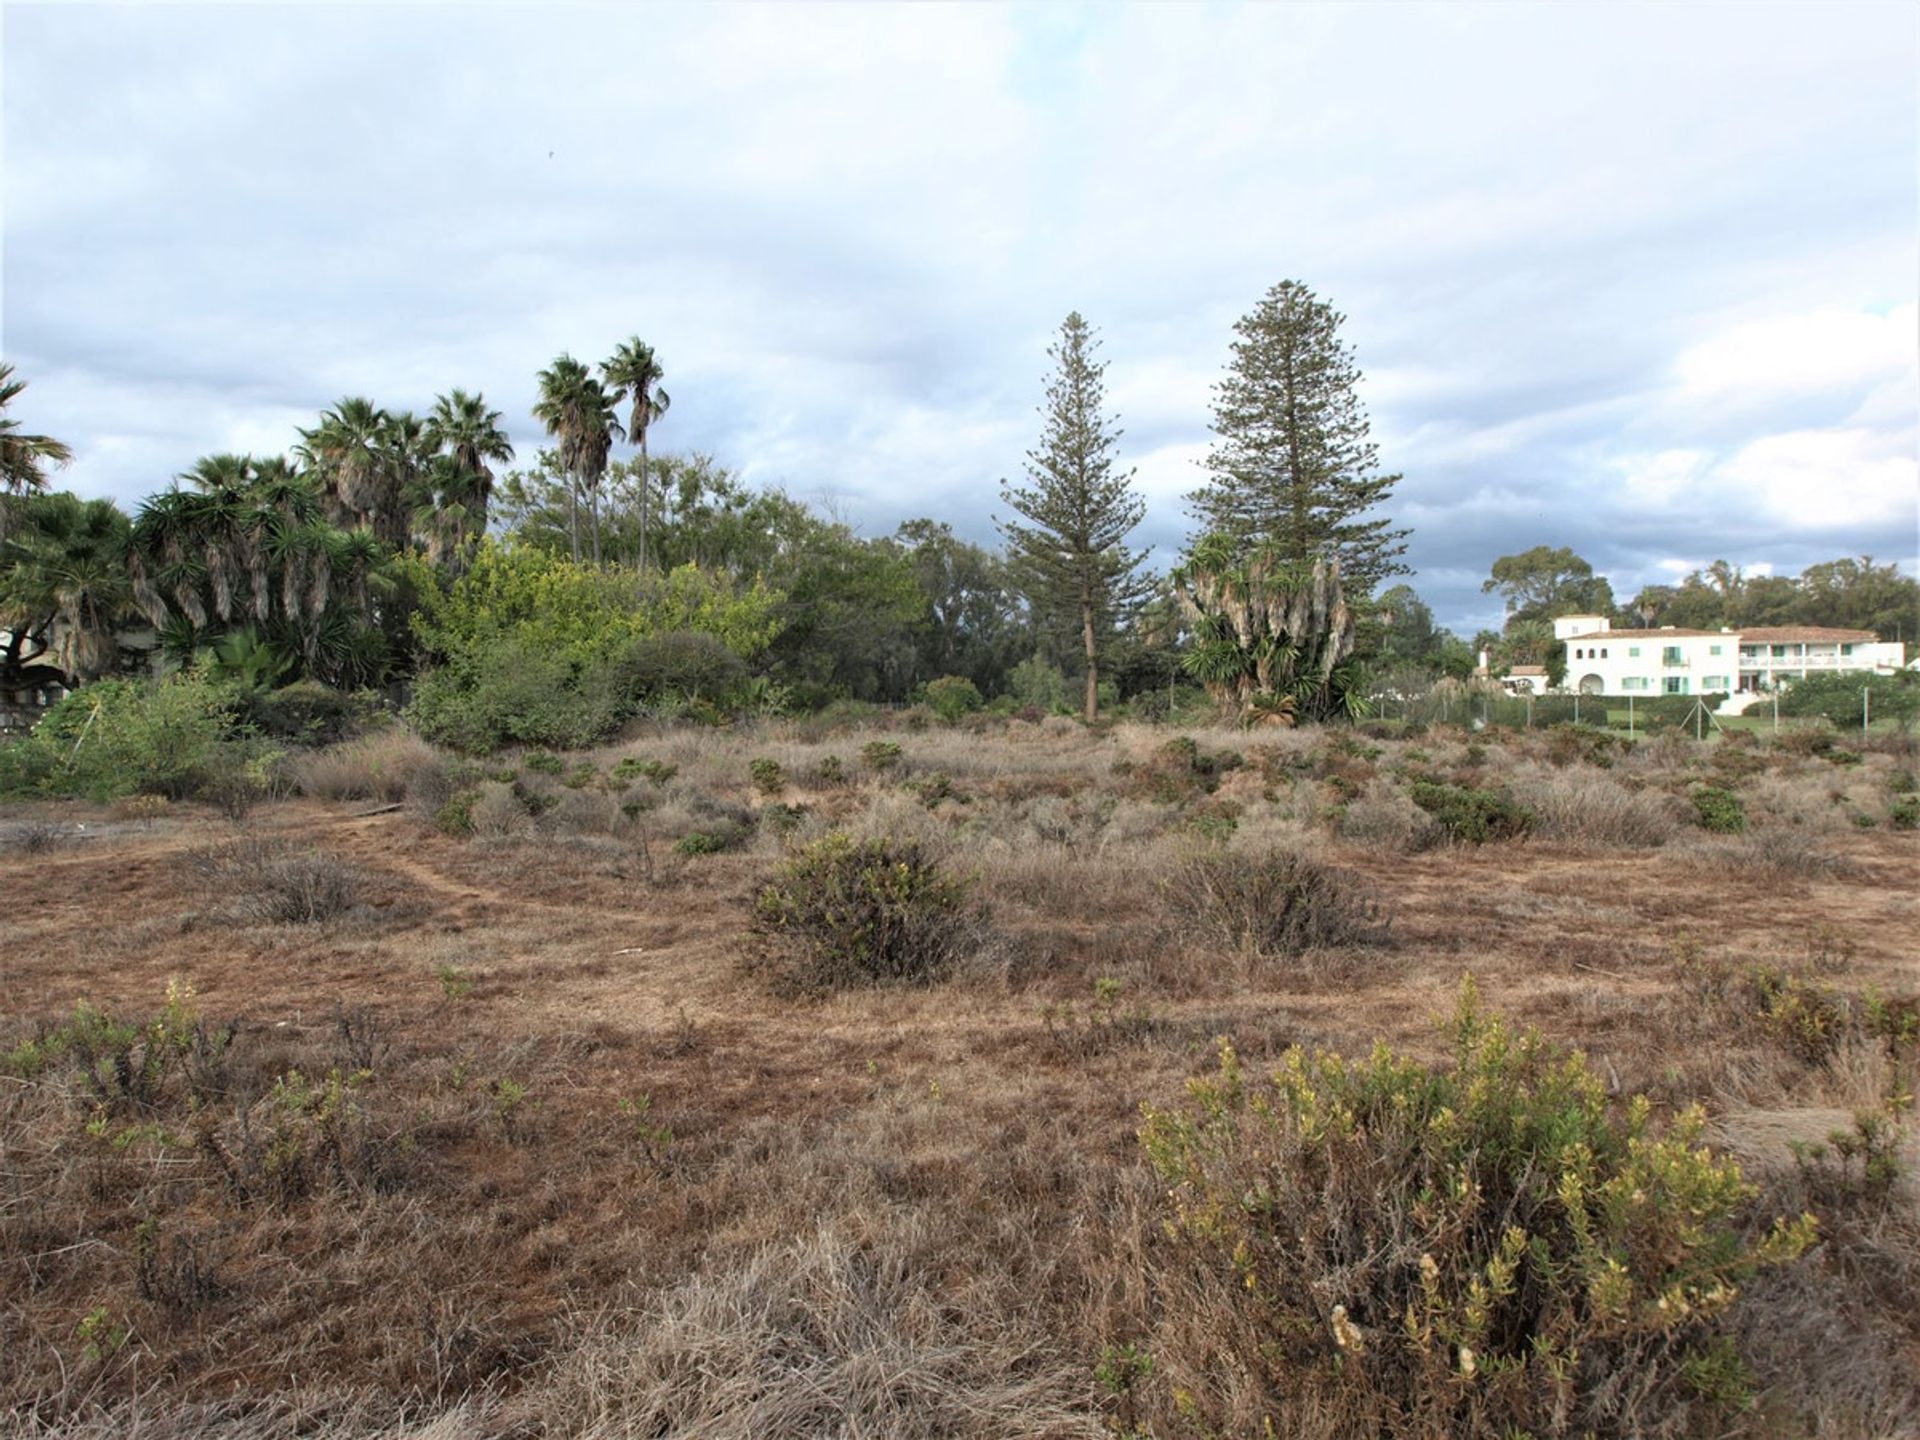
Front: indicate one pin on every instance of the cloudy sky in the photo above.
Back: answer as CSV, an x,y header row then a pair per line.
x,y
1636,279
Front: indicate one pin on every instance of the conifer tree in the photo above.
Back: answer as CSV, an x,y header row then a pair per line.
x,y
1294,472
1070,556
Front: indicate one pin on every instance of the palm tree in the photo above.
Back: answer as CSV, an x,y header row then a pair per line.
x,y
466,435
358,453
63,585
246,544
579,415
23,457
1269,637
634,374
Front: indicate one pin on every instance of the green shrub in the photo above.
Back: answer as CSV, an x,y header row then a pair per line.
x,y
1278,902
952,696
1718,809
1472,815
831,770
582,775
543,762
1489,1249
766,775
309,713
1034,683
880,754
1904,813
455,815
116,738
710,842
633,768
1845,700
844,913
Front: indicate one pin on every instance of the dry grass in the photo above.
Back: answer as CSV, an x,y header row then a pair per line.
x,y
643,1197
380,766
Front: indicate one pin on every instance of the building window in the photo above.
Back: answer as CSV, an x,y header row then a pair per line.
x,y
1675,685
1671,656
1779,652
1633,652
1712,683
1634,682
1846,649
1603,652
1713,649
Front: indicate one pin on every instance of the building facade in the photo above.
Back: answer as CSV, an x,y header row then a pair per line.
x,y
1669,661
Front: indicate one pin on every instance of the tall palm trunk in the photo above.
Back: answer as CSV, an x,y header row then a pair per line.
x,y
573,514
643,500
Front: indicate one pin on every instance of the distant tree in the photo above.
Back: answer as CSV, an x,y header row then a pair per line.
x,y
975,625
634,374
1858,594
63,586
245,544
1294,470
578,413
24,457
1544,582
1072,554
451,505
362,462
1271,638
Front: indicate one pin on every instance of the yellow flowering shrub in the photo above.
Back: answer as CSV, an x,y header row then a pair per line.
x,y
1492,1247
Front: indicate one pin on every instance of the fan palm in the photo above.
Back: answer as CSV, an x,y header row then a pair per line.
x,y
466,435
360,455
634,374
63,583
577,412
24,458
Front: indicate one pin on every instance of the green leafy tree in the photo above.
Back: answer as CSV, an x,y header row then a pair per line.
x,y
974,624
63,586
1545,582
1294,468
634,375
1079,510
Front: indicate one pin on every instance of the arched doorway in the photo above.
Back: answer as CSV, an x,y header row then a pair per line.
x,y
1591,685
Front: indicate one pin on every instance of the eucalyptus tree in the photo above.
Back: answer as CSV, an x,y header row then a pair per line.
x,y
634,375
1072,553
577,412
64,589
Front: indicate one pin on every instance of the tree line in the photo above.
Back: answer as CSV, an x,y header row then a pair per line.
x,y
356,559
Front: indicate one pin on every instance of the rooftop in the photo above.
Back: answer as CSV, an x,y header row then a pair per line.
x,y
1804,635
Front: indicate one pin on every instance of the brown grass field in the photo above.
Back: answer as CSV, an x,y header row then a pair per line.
x,y
583,1172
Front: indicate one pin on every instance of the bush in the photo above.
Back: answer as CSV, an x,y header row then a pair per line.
x,y
767,776
374,767
880,754
1472,815
529,648
1719,810
1278,902
846,913
952,696
309,713
1385,1248
268,882
117,738
1845,699
1036,684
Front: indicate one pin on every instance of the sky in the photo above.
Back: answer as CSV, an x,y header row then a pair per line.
x,y
1637,279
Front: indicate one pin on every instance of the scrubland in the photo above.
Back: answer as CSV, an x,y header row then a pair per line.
x,y
517,1096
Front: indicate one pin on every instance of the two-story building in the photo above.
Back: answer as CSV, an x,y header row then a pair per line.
x,y
1668,661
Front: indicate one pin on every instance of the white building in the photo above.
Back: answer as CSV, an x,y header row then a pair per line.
x,y
1668,661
